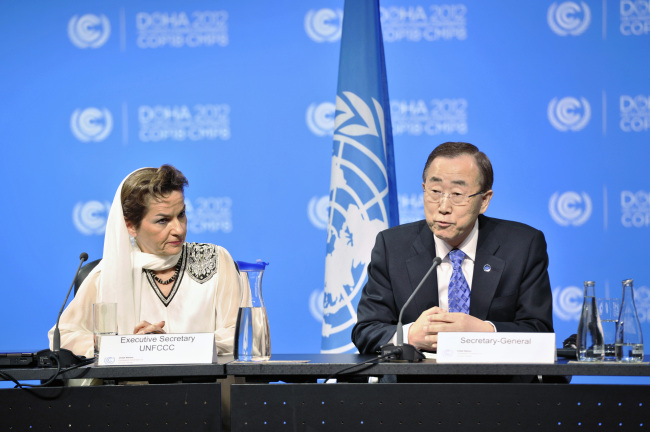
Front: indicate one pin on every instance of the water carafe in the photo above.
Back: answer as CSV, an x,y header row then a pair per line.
x,y
252,336
629,339
590,345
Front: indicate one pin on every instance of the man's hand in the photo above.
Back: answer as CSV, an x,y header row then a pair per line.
x,y
145,327
423,333
419,334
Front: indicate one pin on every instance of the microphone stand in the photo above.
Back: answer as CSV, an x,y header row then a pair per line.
x,y
400,351
57,357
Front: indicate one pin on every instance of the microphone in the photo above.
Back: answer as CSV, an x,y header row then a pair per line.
x,y
402,351
62,357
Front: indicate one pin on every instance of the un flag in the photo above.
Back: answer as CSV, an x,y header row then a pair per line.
x,y
363,197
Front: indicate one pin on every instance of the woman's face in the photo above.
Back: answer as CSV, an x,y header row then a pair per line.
x,y
164,226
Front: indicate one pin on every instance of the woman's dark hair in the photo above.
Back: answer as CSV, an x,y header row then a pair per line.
x,y
149,184
454,149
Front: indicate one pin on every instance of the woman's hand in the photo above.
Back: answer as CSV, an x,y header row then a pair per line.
x,y
145,327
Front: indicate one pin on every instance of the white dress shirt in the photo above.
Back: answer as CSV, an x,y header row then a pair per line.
x,y
445,269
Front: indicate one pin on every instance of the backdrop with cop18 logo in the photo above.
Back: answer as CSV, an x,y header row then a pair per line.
x,y
240,96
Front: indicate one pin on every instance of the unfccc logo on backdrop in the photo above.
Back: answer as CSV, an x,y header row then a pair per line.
x,y
209,214
642,300
567,302
569,113
318,211
635,113
91,124
320,118
89,31
635,17
316,304
635,209
568,18
90,217
430,23
324,25
570,208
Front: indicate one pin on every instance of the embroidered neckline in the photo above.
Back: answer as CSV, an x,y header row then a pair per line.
x,y
182,263
171,279
202,261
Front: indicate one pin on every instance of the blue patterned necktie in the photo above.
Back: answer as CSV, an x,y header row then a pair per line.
x,y
458,293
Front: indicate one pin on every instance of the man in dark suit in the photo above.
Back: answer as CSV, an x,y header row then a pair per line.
x,y
504,264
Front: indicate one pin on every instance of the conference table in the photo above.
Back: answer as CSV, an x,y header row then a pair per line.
x,y
288,393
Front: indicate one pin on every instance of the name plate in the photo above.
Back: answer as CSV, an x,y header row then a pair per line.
x,y
460,347
180,348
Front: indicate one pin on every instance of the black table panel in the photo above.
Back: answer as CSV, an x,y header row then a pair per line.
x,y
439,407
163,407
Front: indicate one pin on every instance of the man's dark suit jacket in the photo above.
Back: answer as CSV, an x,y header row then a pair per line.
x,y
515,294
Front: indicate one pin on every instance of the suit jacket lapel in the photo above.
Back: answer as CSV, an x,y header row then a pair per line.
x,y
423,253
487,270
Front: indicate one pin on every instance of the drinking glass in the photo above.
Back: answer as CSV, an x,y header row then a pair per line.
x,y
104,323
609,309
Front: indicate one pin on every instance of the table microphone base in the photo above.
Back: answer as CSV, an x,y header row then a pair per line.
x,y
402,353
65,357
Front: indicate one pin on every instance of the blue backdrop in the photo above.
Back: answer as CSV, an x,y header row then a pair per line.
x,y
240,97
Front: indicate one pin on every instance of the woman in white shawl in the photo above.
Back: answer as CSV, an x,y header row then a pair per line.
x,y
160,283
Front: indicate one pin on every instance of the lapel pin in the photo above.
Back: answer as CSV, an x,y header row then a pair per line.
x,y
487,268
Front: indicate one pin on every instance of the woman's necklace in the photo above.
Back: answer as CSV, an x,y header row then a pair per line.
x,y
171,279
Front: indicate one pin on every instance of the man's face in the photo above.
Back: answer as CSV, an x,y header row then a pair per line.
x,y
459,175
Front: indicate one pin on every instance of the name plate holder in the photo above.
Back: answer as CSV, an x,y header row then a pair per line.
x,y
519,348
157,349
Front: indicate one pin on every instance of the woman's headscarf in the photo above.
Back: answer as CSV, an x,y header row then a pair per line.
x,y
121,280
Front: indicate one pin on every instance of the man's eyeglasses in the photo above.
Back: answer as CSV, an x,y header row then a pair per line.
x,y
458,199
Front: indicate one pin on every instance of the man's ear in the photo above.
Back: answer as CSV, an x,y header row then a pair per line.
x,y
485,201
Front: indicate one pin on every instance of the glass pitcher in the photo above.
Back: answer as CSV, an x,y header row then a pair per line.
x,y
252,336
